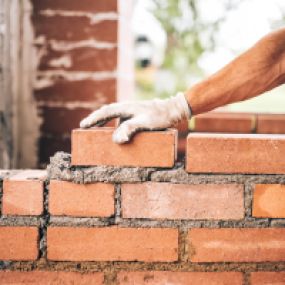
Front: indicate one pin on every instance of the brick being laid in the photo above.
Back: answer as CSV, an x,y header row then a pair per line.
x,y
146,149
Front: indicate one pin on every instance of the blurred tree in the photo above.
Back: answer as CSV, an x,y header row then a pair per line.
x,y
189,35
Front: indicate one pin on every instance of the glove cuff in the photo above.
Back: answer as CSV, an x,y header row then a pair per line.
x,y
183,104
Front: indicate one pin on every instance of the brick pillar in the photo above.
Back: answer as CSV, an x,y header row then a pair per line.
x,y
84,60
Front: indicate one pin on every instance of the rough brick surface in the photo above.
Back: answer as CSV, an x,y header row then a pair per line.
x,y
90,6
81,200
224,123
237,245
233,153
270,124
147,149
267,278
269,201
80,59
59,28
23,193
113,243
180,278
18,243
181,201
49,277
101,91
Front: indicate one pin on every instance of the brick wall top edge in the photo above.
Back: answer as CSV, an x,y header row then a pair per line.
x,y
28,174
237,136
60,169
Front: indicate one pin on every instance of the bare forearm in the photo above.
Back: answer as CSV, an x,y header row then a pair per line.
x,y
259,69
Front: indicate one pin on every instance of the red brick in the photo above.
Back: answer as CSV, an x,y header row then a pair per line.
x,y
113,243
237,245
80,59
18,243
59,28
224,123
181,201
89,6
269,201
147,149
50,277
59,120
100,91
180,278
267,278
82,200
271,124
233,153
23,193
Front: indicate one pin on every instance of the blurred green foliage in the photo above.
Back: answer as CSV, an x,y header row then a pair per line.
x,y
189,35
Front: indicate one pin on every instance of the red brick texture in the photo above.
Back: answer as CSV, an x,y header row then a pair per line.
x,y
267,278
269,201
180,201
224,123
18,243
49,277
147,149
112,244
81,200
23,193
233,153
180,278
237,245
58,28
271,124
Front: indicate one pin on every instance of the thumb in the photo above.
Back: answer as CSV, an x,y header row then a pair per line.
x,y
127,129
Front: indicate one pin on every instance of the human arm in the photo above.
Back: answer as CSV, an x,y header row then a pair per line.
x,y
259,69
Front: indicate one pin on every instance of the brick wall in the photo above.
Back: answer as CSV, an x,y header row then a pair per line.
x,y
218,219
84,60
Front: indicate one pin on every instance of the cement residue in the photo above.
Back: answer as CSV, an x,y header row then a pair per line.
x,y
179,175
60,168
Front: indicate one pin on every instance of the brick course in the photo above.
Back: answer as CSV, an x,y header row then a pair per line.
x,y
233,153
49,277
23,193
112,244
237,245
180,278
18,243
269,201
180,201
80,200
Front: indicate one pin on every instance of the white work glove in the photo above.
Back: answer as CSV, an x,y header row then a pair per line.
x,y
155,114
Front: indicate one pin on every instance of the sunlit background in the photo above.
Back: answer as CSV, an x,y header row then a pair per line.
x,y
180,42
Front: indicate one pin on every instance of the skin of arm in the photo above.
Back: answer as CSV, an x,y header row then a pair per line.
x,y
259,69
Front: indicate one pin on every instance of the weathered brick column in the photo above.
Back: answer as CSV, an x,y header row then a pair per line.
x,y
84,60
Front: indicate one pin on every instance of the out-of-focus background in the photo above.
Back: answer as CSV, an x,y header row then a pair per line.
x,y
61,59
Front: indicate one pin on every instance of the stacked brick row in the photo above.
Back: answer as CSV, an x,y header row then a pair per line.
x,y
244,123
83,60
128,214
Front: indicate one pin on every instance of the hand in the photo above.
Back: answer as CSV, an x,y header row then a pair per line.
x,y
155,114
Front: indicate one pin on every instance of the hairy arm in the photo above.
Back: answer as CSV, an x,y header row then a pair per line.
x,y
259,69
